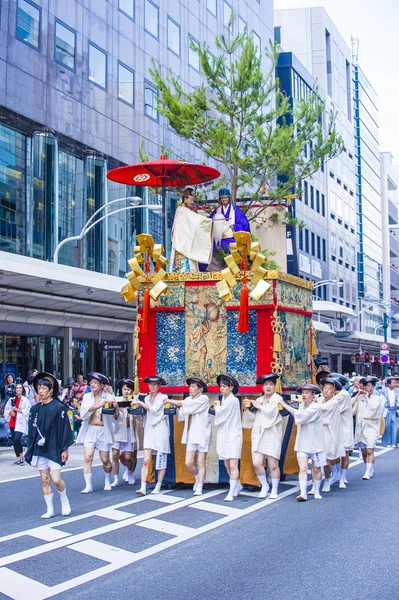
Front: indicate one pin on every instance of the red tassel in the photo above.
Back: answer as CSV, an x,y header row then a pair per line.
x,y
146,311
243,319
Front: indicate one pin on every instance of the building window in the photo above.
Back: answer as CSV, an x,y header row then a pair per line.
x,y
277,35
173,36
323,205
328,63
242,26
313,238
112,263
151,18
317,201
212,6
125,84
324,250
318,247
28,23
65,43
311,197
227,13
127,7
306,188
97,66
257,43
150,102
300,239
307,240
193,56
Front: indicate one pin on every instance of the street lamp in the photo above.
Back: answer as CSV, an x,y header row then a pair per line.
x,y
134,202
323,282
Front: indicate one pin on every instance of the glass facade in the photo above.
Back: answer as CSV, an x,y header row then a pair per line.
x,y
28,23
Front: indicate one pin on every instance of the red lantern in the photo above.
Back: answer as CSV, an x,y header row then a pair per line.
x,y
357,356
367,357
392,360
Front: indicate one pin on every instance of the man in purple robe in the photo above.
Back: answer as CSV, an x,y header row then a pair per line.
x,y
227,219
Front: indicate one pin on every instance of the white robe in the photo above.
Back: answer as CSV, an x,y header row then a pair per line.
x,y
197,420
108,420
156,425
120,426
229,434
310,434
21,421
267,430
192,236
345,408
368,419
332,427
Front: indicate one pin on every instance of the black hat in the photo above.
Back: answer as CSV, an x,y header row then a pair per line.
x,y
369,379
69,383
50,378
322,372
333,381
128,382
155,379
341,378
231,379
99,376
198,381
309,386
269,377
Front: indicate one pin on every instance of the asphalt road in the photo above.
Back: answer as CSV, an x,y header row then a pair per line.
x,y
175,546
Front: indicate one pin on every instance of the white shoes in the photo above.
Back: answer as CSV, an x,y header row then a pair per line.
x,y
115,483
142,491
311,491
264,491
130,478
238,489
198,490
65,506
157,489
88,490
326,485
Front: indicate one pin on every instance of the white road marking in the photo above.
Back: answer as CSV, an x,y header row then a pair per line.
x,y
220,509
48,534
104,552
42,592
19,587
169,528
164,497
113,514
37,474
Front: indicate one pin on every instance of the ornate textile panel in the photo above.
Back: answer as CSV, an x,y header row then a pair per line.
x,y
241,348
170,347
295,349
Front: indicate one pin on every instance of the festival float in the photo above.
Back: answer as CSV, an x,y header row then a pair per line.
x,y
242,320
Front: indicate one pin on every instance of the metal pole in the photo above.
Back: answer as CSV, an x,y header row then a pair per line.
x,y
385,326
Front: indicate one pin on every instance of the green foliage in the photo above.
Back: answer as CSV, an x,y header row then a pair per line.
x,y
239,117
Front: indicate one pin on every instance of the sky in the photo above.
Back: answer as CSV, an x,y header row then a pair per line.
x,y
376,24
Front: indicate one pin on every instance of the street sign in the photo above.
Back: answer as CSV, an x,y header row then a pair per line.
x,y
384,346
384,357
105,347
342,334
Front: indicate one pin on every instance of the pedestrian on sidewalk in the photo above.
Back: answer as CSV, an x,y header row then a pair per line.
x,y
29,390
366,406
229,433
124,448
309,443
16,413
267,434
96,432
49,437
156,433
390,400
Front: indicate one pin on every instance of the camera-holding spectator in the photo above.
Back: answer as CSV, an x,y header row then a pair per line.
x,y
8,389
16,413
67,393
79,388
29,390
76,418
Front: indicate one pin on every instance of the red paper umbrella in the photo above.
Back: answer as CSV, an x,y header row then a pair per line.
x,y
163,173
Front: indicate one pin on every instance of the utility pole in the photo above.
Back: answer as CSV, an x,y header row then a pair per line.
x,y
385,327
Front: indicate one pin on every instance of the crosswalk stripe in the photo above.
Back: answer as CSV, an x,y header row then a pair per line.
x,y
167,527
105,552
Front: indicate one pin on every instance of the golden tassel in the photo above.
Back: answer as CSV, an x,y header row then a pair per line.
x,y
278,389
315,349
276,343
136,386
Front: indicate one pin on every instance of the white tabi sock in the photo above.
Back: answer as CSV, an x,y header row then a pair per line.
x,y
143,489
368,473
327,484
303,484
65,506
107,482
157,488
198,490
125,474
115,482
88,487
238,488
130,478
265,486
274,493
342,479
230,496
316,484
50,506
196,483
